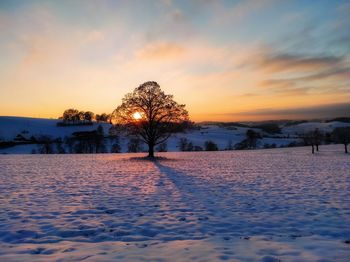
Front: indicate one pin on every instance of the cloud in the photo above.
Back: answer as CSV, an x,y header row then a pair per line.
x,y
95,36
162,50
337,72
319,111
241,10
284,87
166,2
285,73
95,50
288,62
171,24
249,95
331,80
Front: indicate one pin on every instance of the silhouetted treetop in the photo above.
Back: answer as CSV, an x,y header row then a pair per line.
x,y
71,115
342,135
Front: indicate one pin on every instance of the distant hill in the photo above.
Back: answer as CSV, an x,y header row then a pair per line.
x,y
340,119
28,135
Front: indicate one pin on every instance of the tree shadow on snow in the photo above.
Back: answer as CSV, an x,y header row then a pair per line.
x,y
151,159
197,202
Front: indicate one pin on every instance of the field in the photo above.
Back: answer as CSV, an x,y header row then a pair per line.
x,y
261,205
12,127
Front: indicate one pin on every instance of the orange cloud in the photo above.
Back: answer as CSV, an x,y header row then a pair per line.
x,y
162,50
92,68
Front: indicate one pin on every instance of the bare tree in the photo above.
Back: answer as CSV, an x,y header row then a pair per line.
x,y
116,148
45,144
342,135
308,141
317,137
183,142
151,115
252,138
313,138
59,146
134,145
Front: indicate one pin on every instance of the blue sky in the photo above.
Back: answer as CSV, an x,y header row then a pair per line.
x,y
227,60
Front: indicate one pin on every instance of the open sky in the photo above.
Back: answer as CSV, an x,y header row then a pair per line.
x,y
226,60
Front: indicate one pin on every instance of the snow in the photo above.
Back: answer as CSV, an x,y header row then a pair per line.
x,y
260,205
310,126
19,149
10,127
221,136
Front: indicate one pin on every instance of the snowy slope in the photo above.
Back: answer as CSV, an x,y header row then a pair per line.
x,y
310,126
221,136
11,126
261,205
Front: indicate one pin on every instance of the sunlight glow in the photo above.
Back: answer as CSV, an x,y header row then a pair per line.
x,y
137,115
219,71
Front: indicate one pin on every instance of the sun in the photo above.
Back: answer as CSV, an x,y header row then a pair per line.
x,y
137,115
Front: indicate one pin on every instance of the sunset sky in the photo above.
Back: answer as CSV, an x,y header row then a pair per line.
x,y
226,60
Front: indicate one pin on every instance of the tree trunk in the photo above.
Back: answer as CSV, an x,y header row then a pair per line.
x,y
151,150
313,149
317,148
346,148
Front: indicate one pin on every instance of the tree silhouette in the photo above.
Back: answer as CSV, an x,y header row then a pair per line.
x,y
163,147
88,116
342,135
184,144
102,118
313,138
318,137
45,143
252,138
69,115
151,115
210,146
134,145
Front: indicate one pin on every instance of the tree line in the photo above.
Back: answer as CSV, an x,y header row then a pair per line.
x,y
314,138
97,141
340,135
73,116
150,116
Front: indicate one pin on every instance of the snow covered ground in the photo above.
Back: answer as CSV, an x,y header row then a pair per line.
x,y
261,205
10,127
310,126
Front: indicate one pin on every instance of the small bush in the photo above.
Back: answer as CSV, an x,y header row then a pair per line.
x,y
210,146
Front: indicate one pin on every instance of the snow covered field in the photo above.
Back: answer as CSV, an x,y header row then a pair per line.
x,y
10,127
261,205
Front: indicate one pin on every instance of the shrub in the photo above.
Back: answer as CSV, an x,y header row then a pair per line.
x,y
210,146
